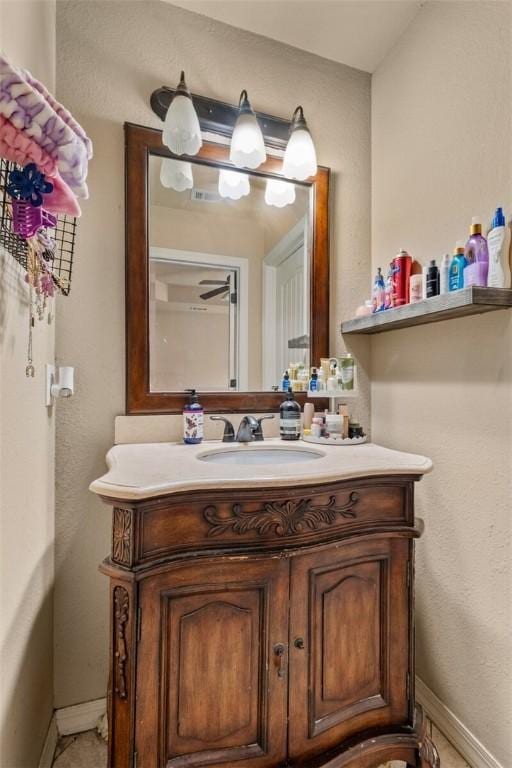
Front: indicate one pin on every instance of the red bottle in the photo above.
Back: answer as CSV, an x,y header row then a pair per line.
x,y
401,265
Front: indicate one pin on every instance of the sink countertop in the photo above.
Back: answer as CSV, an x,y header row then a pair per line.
x,y
147,470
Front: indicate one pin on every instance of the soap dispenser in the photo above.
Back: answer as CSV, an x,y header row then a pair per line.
x,y
193,419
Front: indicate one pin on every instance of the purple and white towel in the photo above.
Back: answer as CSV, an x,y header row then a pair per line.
x,y
28,105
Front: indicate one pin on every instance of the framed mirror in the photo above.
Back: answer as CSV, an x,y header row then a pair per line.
x,y
227,278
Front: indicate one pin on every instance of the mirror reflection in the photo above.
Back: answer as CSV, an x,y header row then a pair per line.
x,y
229,262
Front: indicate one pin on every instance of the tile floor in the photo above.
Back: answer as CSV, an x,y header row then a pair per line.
x,y
88,750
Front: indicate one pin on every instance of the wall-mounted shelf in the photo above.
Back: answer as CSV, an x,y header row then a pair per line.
x,y
467,301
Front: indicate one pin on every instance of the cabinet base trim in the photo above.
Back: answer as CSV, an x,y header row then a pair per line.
x,y
465,742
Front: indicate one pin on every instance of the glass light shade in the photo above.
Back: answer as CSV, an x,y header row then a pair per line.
x,y
182,132
279,193
176,174
300,156
247,145
233,185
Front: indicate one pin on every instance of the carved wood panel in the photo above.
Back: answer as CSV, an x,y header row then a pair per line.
x,y
121,608
262,517
353,668
122,536
212,694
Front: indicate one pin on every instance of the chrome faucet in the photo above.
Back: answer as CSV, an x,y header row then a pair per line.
x,y
249,429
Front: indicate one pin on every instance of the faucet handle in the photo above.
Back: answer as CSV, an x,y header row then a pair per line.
x,y
229,432
258,435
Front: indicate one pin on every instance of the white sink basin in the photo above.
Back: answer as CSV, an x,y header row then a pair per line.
x,y
251,455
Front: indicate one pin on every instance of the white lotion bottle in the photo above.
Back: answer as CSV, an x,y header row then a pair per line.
x,y
444,274
498,243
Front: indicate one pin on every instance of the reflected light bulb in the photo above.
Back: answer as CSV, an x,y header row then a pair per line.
x,y
176,174
233,185
279,193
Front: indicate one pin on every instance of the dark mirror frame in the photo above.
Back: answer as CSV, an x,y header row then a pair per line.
x,y
140,142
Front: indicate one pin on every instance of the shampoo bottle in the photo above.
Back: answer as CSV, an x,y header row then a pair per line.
x,y
193,420
498,241
285,383
457,265
289,422
477,256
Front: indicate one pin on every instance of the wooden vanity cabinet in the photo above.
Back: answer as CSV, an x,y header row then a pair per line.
x,y
288,644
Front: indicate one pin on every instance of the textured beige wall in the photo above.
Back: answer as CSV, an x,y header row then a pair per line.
x,y
110,56
441,152
27,35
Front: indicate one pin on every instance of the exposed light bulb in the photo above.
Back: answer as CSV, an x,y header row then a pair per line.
x,y
300,155
182,132
176,174
247,145
233,184
279,193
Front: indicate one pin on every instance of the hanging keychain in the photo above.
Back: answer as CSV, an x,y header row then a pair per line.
x,y
30,370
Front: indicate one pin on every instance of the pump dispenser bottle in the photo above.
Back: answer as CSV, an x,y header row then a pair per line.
x,y
193,420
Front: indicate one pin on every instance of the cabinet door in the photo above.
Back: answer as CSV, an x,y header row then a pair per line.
x,y
212,685
349,643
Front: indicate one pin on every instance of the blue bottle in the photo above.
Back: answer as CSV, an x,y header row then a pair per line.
x,y
313,382
457,264
285,384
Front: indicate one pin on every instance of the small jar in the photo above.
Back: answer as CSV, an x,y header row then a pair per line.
x,y
333,423
355,430
317,427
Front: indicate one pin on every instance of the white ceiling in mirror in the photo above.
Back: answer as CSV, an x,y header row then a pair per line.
x,y
358,33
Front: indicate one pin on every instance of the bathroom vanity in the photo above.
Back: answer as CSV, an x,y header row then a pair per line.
x,y
262,610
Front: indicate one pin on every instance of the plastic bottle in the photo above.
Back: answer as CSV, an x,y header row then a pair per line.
x,y
313,382
289,422
320,382
457,265
444,274
378,292
193,420
389,289
285,383
477,256
498,241
432,280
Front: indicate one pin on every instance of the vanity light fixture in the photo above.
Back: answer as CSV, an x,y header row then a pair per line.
x,y
233,184
279,193
247,145
182,132
176,174
300,154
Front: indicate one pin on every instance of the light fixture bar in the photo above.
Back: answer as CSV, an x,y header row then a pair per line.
x,y
220,118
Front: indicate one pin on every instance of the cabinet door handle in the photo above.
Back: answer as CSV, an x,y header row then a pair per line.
x,y
280,659
299,643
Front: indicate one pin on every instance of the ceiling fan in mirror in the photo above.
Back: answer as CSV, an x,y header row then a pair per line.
x,y
223,289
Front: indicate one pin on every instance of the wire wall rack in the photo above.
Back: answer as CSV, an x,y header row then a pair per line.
x,y
59,258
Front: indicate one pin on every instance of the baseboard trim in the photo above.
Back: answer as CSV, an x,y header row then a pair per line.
x,y
80,717
50,745
471,749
